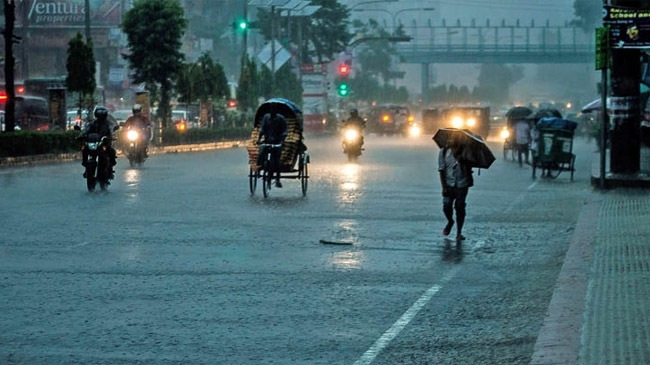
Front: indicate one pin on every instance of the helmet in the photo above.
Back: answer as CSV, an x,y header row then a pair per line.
x,y
101,113
137,108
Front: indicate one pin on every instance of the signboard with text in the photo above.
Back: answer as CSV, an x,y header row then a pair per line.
x,y
69,13
629,28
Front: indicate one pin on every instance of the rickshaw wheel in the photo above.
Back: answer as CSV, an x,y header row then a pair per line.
x,y
554,171
266,183
304,175
253,175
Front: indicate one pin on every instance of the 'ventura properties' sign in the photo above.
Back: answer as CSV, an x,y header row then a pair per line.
x,y
70,13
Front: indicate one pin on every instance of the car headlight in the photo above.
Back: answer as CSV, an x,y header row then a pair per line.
x,y
505,133
457,122
351,135
415,130
471,122
132,135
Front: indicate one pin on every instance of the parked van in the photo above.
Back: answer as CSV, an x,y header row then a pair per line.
x,y
32,113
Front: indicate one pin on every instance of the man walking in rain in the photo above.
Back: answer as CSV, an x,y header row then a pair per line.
x,y
456,179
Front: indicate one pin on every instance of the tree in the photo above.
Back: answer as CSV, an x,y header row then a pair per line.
x,y
81,68
588,14
326,30
154,29
287,85
245,87
494,82
376,57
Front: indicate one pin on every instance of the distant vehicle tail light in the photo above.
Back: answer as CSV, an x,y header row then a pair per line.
x,y
385,118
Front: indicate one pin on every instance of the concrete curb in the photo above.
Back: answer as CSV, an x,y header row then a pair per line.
x,y
559,339
33,160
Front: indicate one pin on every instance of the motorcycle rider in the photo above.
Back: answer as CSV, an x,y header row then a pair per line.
x,y
101,126
355,120
138,121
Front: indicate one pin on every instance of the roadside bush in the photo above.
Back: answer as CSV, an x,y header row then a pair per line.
x,y
171,136
25,143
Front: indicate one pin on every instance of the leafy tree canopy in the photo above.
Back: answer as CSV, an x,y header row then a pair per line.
x,y
324,34
154,29
80,65
588,14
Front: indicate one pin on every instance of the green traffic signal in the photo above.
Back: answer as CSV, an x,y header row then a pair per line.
x,y
243,25
343,90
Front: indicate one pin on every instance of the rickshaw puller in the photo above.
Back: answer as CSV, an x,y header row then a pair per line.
x,y
274,130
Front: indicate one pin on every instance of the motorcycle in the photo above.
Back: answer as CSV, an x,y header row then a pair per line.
x,y
352,142
135,146
98,167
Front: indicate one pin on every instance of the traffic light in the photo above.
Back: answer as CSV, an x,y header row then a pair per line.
x,y
343,73
343,89
243,25
344,70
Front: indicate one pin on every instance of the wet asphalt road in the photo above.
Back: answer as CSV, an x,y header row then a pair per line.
x,y
177,263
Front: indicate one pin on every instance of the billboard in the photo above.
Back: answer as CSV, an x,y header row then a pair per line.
x,y
629,28
69,13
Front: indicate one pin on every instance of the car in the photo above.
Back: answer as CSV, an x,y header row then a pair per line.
x,y
121,115
389,119
32,112
473,118
73,118
180,116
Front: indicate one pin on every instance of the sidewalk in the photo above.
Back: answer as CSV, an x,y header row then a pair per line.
x,y
63,157
600,309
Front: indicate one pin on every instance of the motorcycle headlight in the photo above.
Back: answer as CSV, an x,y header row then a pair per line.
x,y
351,135
471,122
505,133
132,135
457,122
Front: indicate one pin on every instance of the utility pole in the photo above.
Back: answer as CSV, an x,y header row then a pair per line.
x,y
8,33
87,16
625,155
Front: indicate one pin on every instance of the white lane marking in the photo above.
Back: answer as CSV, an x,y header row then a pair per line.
x,y
404,320
520,198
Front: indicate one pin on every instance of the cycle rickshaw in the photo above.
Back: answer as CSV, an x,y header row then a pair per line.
x,y
292,150
513,116
554,151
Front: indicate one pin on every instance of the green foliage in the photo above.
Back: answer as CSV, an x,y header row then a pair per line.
x,y
266,78
172,137
376,57
248,86
365,87
588,14
287,85
494,82
202,80
325,33
27,143
80,65
154,29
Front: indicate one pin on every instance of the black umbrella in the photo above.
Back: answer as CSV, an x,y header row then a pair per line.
x,y
547,113
474,151
519,112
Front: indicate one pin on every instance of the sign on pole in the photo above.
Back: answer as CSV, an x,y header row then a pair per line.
x,y
602,48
